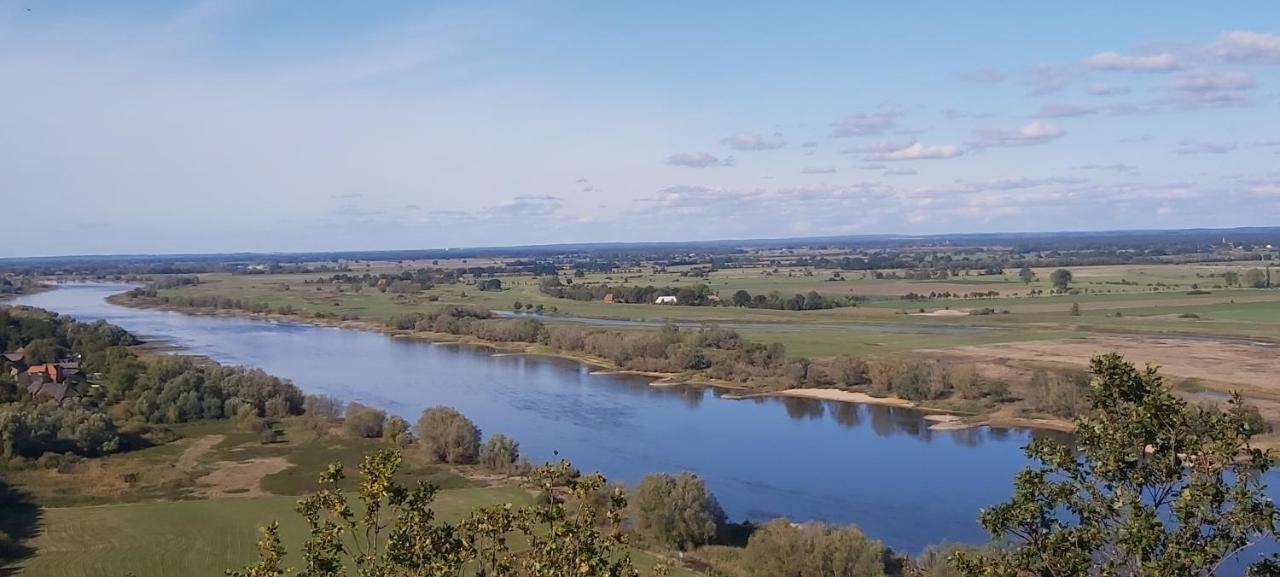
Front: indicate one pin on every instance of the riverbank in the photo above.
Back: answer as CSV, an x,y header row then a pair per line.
x,y
729,389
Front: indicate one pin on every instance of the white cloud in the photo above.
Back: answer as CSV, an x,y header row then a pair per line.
x,y
919,151
1049,79
694,160
1245,46
1118,167
1204,87
1201,147
747,142
865,123
900,172
1099,89
1164,62
983,76
1034,132
1065,109
818,170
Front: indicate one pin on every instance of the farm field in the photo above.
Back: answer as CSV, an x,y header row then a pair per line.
x,y
1149,299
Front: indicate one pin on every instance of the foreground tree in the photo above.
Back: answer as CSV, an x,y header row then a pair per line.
x,y
781,548
1154,488
392,531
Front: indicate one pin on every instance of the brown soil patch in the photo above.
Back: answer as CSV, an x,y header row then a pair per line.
x,y
1250,367
239,478
190,458
943,313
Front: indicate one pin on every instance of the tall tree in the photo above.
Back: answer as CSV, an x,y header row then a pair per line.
x,y
1026,275
1061,279
1152,488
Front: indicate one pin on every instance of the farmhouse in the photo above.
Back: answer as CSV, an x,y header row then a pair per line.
x,y
665,300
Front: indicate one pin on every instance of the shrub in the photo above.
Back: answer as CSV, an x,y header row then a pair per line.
x,y
364,421
814,550
448,436
322,407
500,453
676,511
396,432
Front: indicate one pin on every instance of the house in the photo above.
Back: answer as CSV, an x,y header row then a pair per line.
x,y
41,388
608,299
665,300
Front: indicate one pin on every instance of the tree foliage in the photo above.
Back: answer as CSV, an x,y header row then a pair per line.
x,y
448,436
676,511
815,550
391,531
1153,488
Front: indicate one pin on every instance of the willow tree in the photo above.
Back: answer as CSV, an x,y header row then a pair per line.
x,y
1153,487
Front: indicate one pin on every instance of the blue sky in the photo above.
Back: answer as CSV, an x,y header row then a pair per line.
x,y
163,127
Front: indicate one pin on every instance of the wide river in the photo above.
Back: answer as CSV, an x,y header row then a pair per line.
x,y
877,467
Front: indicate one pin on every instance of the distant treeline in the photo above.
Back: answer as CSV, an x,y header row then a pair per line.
x,y
693,295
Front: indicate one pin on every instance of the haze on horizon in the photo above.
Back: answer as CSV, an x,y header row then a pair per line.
x,y
157,127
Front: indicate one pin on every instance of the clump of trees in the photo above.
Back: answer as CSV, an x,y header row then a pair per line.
x,y
448,436
815,550
675,511
364,421
501,454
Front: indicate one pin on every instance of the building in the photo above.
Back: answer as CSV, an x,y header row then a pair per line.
x,y
608,299
665,300
40,388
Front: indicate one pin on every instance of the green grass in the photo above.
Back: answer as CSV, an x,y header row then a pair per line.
x,y
814,333
199,538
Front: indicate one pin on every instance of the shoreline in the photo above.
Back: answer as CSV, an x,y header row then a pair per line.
x,y
943,419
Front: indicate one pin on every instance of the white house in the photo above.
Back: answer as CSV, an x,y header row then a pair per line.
x,y
665,300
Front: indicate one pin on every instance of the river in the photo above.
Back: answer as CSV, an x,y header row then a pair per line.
x,y
880,468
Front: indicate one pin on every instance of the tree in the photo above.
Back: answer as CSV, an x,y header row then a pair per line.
x,y
741,298
448,436
364,421
814,550
1075,309
393,532
500,453
1231,278
1026,275
1255,278
676,511
1061,279
1152,487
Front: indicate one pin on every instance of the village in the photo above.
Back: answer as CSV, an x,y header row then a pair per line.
x,y
57,381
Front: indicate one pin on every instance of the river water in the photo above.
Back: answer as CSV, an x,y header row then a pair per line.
x,y
877,467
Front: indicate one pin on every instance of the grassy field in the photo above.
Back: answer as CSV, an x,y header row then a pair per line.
x,y
1148,299
183,514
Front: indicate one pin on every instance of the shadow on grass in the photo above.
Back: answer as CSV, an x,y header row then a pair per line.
x,y
19,522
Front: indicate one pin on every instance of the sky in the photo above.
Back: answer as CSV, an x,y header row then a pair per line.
x,y
256,125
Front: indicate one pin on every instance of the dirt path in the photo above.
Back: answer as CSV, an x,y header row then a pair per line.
x,y
190,458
